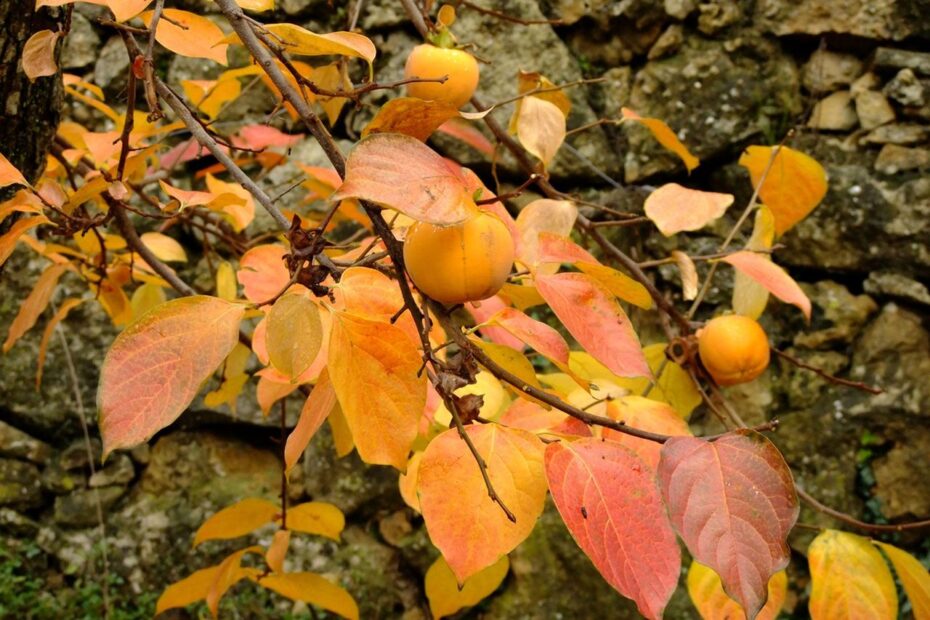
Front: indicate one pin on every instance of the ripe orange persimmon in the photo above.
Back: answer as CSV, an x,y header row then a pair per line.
x,y
455,264
734,349
429,61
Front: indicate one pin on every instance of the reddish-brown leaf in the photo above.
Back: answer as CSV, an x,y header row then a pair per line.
x,y
596,320
733,502
401,172
411,116
39,54
760,268
674,208
155,367
608,498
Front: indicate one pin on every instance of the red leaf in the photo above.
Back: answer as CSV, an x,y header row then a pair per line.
x,y
401,172
482,311
598,323
258,137
156,366
760,268
608,498
544,339
733,503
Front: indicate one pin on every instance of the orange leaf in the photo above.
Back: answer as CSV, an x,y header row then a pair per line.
x,y
794,186
315,410
674,208
761,269
462,130
412,116
10,175
849,579
314,589
913,576
63,310
8,241
706,592
34,304
316,518
228,573
648,415
262,272
597,322
294,332
258,6
665,136
155,367
443,591
241,212
122,9
211,96
401,172
237,520
189,590
277,550
189,34
541,128
39,54
472,531
373,366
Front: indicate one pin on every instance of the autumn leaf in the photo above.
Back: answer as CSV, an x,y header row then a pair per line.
x,y
317,518
10,175
750,297
262,273
473,532
226,281
39,54
239,211
237,520
664,136
913,576
164,247
541,128
17,230
483,311
155,367
258,6
775,279
294,333
849,579
794,186
211,96
706,592
596,321
647,415
59,316
374,368
313,589
556,217
733,503
189,34
407,482
608,498
228,573
510,359
674,208
462,130
689,276
277,550
544,339
189,590
315,410
301,42
411,116
122,9
446,597
34,304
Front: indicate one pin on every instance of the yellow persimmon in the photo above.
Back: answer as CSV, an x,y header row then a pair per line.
x,y
734,349
455,264
429,61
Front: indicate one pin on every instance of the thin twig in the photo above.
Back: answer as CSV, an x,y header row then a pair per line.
x,y
856,523
827,376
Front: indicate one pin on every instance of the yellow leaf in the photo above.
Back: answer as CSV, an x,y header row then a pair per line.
x,y
8,241
408,482
145,298
707,594
34,304
274,557
794,185
226,287
240,213
342,435
850,579
373,366
164,247
509,359
258,6
211,96
39,54
522,296
237,520
191,589
316,518
229,572
488,387
295,333
665,136
445,596
412,116
531,80
314,589
10,175
541,128
332,78
189,34
913,576
619,284
750,297
302,42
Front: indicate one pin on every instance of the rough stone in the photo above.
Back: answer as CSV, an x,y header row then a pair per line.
x,y
891,58
80,47
668,43
59,481
827,71
716,16
873,109
15,524
902,492
838,318
890,284
873,19
906,89
17,444
117,471
905,134
112,65
680,9
894,159
804,388
20,486
866,81
79,508
834,113
77,455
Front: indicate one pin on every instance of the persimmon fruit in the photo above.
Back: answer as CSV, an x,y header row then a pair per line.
x,y
734,349
466,262
430,61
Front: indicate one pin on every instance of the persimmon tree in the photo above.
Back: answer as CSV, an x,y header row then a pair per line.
x,y
481,403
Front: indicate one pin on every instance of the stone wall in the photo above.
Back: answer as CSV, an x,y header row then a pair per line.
x,y
849,76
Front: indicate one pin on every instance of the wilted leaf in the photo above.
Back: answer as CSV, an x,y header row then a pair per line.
x,y
317,518
733,503
913,576
608,498
674,208
794,185
155,367
373,366
596,321
689,277
750,297
262,273
446,597
10,175
294,333
712,602
411,116
849,579
760,268
39,54
401,172
541,128
164,247
473,532
34,304
543,216
237,520
189,34
665,136
313,589
315,410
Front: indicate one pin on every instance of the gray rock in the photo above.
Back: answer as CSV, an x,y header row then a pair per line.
x,y
906,89
78,455
892,284
668,43
17,444
839,318
803,387
679,9
866,81
112,64
570,11
891,58
827,71
59,481
903,491
295,8
905,134
873,19
118,471
79,508
893,159
873,109
716,16
81,44
15,524
834,113
20,487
